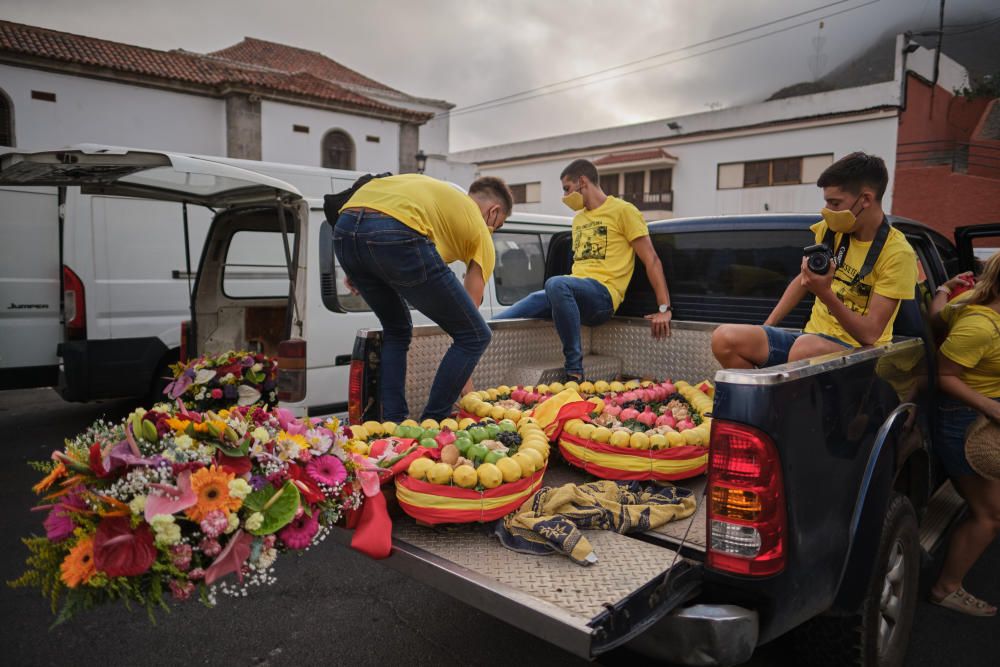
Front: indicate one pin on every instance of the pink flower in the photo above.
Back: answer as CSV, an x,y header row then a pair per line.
x,y
214,523
300,532
269,541
196,574
327,470
171,499
181,555
216,393
367,474
181,590
210,546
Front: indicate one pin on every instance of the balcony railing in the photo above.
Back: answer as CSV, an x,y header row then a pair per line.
x,y
651,201
960,156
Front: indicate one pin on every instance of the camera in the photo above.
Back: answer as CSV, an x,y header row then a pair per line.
x,y
818,258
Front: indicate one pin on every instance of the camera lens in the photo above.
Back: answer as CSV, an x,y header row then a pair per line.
x,y
818,263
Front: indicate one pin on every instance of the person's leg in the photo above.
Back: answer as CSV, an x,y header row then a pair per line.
x,y
443,299
534,306
972,536
571,298
744,346
812,345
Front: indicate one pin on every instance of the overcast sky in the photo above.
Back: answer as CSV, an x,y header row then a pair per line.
x,y
471,51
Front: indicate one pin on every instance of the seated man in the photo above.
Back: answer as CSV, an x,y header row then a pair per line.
x,y
607,235
873,268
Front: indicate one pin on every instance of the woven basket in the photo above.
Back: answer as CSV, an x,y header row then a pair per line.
x,y
439,503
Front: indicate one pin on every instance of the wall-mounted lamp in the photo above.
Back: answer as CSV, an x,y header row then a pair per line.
x,y
674,125
421,158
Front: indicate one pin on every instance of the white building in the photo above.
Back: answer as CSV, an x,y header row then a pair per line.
x,y
749,159
256,99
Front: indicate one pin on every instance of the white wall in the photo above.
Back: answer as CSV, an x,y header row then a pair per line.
x,y
104,112
280,144
694,177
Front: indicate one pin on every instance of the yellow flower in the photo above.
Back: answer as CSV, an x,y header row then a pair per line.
x,y
178,425
78,566
239,489
211,485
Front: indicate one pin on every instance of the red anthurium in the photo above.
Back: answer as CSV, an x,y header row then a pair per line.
x,y
120,551
97,461
307,487
238,465
236,552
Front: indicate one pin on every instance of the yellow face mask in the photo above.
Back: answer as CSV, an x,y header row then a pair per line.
x,y
841,222
574,201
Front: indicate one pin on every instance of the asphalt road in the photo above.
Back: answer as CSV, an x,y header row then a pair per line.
x,y
330,605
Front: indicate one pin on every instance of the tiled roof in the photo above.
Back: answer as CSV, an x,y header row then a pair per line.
x,y
212,71
634,156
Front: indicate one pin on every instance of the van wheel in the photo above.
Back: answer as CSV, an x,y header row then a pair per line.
x,y
161,378
878,634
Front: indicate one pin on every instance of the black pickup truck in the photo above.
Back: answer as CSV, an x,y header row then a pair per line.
x,y
836,450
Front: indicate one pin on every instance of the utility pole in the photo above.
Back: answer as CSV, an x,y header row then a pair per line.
x,y
937,57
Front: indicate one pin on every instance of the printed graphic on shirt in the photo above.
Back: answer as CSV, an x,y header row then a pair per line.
x,y
590,241
857,296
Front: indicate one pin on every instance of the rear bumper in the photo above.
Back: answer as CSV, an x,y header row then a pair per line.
x,y
112,368
701,635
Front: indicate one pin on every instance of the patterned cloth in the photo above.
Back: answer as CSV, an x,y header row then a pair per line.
x,y
553,520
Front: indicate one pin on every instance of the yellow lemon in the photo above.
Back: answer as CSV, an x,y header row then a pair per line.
x,y
573,425
468,402
572,384
489,475
632,384
503,390
358,447
466,423
535,437
418,469
509,468
620,438
388,427
513,414
542,389
646,383
483,395
491,395
529,389
527,419
586,431
465,476
617,386
602,387
359,432
409,422
587,387
598,405
449,424
658,441
483,409
429,423
536,446
536,456
638,441
373,428
439,473
694,436
602,434
556,387
496,412
526,463
675,439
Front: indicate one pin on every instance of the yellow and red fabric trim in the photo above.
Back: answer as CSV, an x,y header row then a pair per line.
x,y
610,462
439,503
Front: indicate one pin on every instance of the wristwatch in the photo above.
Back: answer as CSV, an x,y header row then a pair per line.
x,y
665,308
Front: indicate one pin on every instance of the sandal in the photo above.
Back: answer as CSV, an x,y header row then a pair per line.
x,y
965,603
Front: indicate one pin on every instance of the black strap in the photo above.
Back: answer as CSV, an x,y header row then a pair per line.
x,y
874,250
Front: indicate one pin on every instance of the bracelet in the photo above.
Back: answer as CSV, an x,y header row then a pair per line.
x,y
944,288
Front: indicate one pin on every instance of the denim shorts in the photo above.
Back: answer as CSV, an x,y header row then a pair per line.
x,y
953,419
780,341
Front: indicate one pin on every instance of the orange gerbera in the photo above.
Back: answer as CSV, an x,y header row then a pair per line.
x,y
78,566
211,485
55,474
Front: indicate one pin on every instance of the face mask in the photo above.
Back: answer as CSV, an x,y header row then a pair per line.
x,y
574,200
841,222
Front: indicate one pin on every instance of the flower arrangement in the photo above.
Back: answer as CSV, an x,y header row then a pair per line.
x,y
170,501
231,378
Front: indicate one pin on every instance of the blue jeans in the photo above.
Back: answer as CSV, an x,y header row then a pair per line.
x,y
569,302
780,341
954,418
388,262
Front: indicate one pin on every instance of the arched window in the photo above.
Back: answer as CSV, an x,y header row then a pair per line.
x,y
338,150
6,120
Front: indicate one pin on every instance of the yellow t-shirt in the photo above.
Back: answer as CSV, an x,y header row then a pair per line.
x,y
974,342
435,209
602,245
894,276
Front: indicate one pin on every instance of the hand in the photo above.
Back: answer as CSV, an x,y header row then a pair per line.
x,y
965,279
816,283
660,324
350,286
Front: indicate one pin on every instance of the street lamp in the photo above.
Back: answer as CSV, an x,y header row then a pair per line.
x,y
421,161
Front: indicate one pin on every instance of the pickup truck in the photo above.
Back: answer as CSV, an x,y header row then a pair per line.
x,y
835,450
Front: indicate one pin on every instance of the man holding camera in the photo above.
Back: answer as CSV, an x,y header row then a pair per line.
x,y
859,270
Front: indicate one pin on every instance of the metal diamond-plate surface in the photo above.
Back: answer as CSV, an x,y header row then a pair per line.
x,y
675,530
551,370
624,565
685,355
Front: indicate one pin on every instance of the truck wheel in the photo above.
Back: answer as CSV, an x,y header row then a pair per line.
x,y
878,634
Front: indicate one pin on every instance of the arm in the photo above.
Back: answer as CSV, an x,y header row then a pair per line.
x,y
660,322
949,374
866,329
794,293
475,284
940,300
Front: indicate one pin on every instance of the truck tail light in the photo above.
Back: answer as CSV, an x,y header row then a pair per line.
x,y
355,390
746,502
292,370
185,340
74,305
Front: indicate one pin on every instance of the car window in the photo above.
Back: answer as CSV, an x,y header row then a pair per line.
x,y
255,266
520,266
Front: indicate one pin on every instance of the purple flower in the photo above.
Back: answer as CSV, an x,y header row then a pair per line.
x,y
247,362
59,524
257,482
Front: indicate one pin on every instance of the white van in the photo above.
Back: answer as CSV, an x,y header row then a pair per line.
x,y
125,272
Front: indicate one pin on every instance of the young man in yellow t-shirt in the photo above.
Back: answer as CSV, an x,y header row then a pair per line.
x,y
395,238
852,308
608,233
